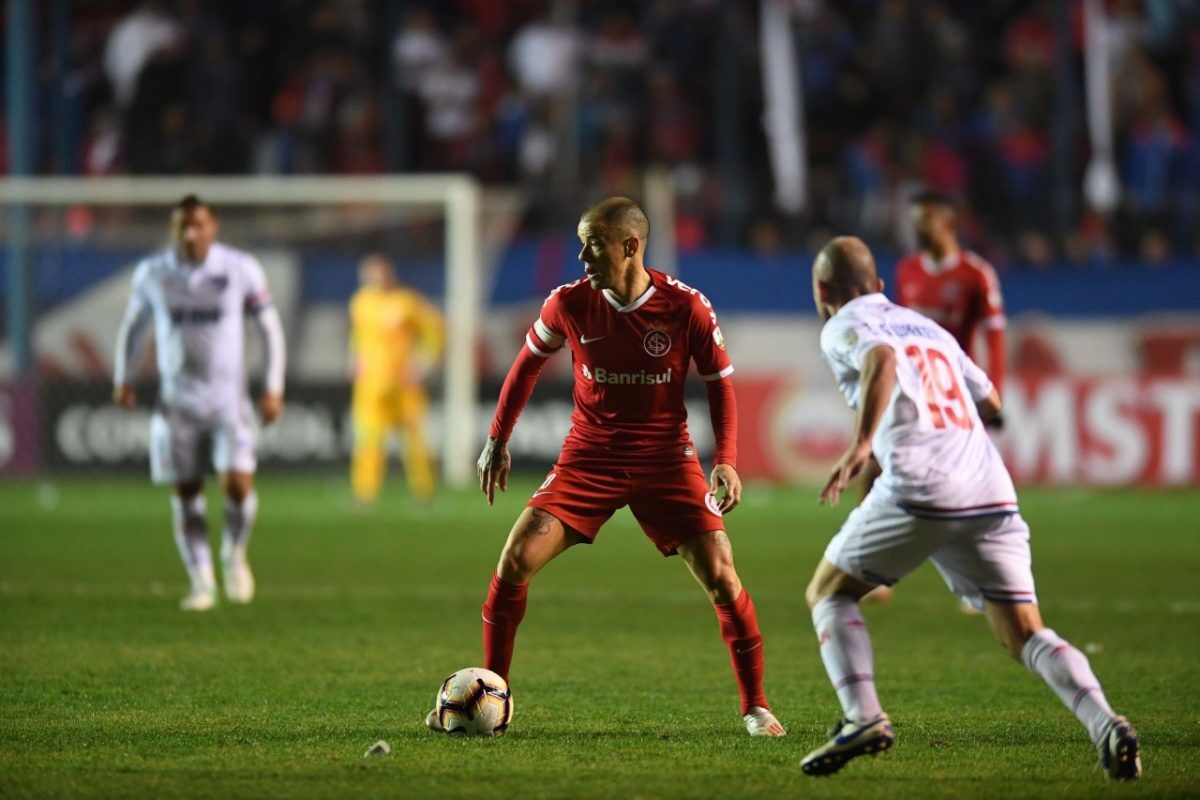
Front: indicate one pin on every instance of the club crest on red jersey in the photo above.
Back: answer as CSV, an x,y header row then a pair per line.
x,y
657,343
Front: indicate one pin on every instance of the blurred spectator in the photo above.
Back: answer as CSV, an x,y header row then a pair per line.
x,y
136,38
571,98
418,48
450,90
545,57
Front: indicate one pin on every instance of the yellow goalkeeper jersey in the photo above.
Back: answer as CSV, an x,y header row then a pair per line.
x,y
393,334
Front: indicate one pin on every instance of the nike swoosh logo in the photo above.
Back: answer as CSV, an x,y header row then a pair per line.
x,y
539,494
585,340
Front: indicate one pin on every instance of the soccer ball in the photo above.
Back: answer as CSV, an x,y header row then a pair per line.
x,y
474,702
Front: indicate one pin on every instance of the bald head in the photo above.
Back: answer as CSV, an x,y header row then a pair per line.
x,y
844,269
619,218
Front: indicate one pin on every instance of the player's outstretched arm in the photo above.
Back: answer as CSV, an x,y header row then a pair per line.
x,y
878,380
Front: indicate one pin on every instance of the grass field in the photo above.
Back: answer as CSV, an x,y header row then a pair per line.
x,y
622,685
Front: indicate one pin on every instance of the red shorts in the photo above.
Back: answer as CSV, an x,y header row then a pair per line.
x,y
672,504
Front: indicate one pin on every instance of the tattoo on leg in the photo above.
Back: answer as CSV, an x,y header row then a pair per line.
x,y
722,541
541,524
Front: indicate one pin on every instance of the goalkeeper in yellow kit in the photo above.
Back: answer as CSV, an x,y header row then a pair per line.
x,y
395,339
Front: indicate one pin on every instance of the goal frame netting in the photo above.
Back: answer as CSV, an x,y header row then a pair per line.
x,y
458,195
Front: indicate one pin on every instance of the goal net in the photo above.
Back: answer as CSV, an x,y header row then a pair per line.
x,y
69,249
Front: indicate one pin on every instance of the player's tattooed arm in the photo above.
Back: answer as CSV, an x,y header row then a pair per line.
x,y
726,476
492,468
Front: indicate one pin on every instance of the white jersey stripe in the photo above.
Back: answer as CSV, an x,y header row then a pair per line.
x,y
996,322
536,350
546,334
717,376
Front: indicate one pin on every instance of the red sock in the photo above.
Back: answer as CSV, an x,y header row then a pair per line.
x,y
739,629
502,613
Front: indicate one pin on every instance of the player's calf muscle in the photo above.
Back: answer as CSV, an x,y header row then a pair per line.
x,y
1013,625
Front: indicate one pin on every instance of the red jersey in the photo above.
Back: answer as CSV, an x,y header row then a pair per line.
x,y
961,293
630,363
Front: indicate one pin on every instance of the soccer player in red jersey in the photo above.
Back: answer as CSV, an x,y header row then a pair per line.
x,y
632,332
951,285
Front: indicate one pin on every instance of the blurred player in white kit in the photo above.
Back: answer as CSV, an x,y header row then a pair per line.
x,y
198,293
944,495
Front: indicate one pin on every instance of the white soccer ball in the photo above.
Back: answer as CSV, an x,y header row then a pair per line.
x,y
474,702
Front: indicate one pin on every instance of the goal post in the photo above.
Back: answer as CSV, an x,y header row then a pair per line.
x,y
457,195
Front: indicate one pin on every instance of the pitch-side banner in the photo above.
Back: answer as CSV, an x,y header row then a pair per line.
x,y
82,431
1061,430
1058,430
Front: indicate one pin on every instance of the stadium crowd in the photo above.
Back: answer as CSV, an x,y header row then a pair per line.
x,y
984,100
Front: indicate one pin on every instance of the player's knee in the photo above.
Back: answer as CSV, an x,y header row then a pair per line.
x,y
521,558
722,584
187,491
515,565
237,490
820,587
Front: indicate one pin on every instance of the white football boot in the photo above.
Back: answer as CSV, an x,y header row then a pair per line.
x,y
235,569
849,740
1121,751
761,722
202,597
433,723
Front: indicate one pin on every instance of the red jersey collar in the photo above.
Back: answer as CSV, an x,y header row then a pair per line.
x,y
635,304
937,267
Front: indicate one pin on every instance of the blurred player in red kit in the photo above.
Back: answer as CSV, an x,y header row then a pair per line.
x,y
954,287
632,333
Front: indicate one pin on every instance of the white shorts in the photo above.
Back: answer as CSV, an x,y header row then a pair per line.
x,y
980,558
184,447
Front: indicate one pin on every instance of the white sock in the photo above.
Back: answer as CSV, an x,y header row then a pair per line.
x,y
846,651
1068,673
239,522
191,535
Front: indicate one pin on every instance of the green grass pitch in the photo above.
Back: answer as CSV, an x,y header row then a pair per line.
x,y
621,682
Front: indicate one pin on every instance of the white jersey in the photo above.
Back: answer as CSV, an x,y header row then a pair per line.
x,y
199,327
936,456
